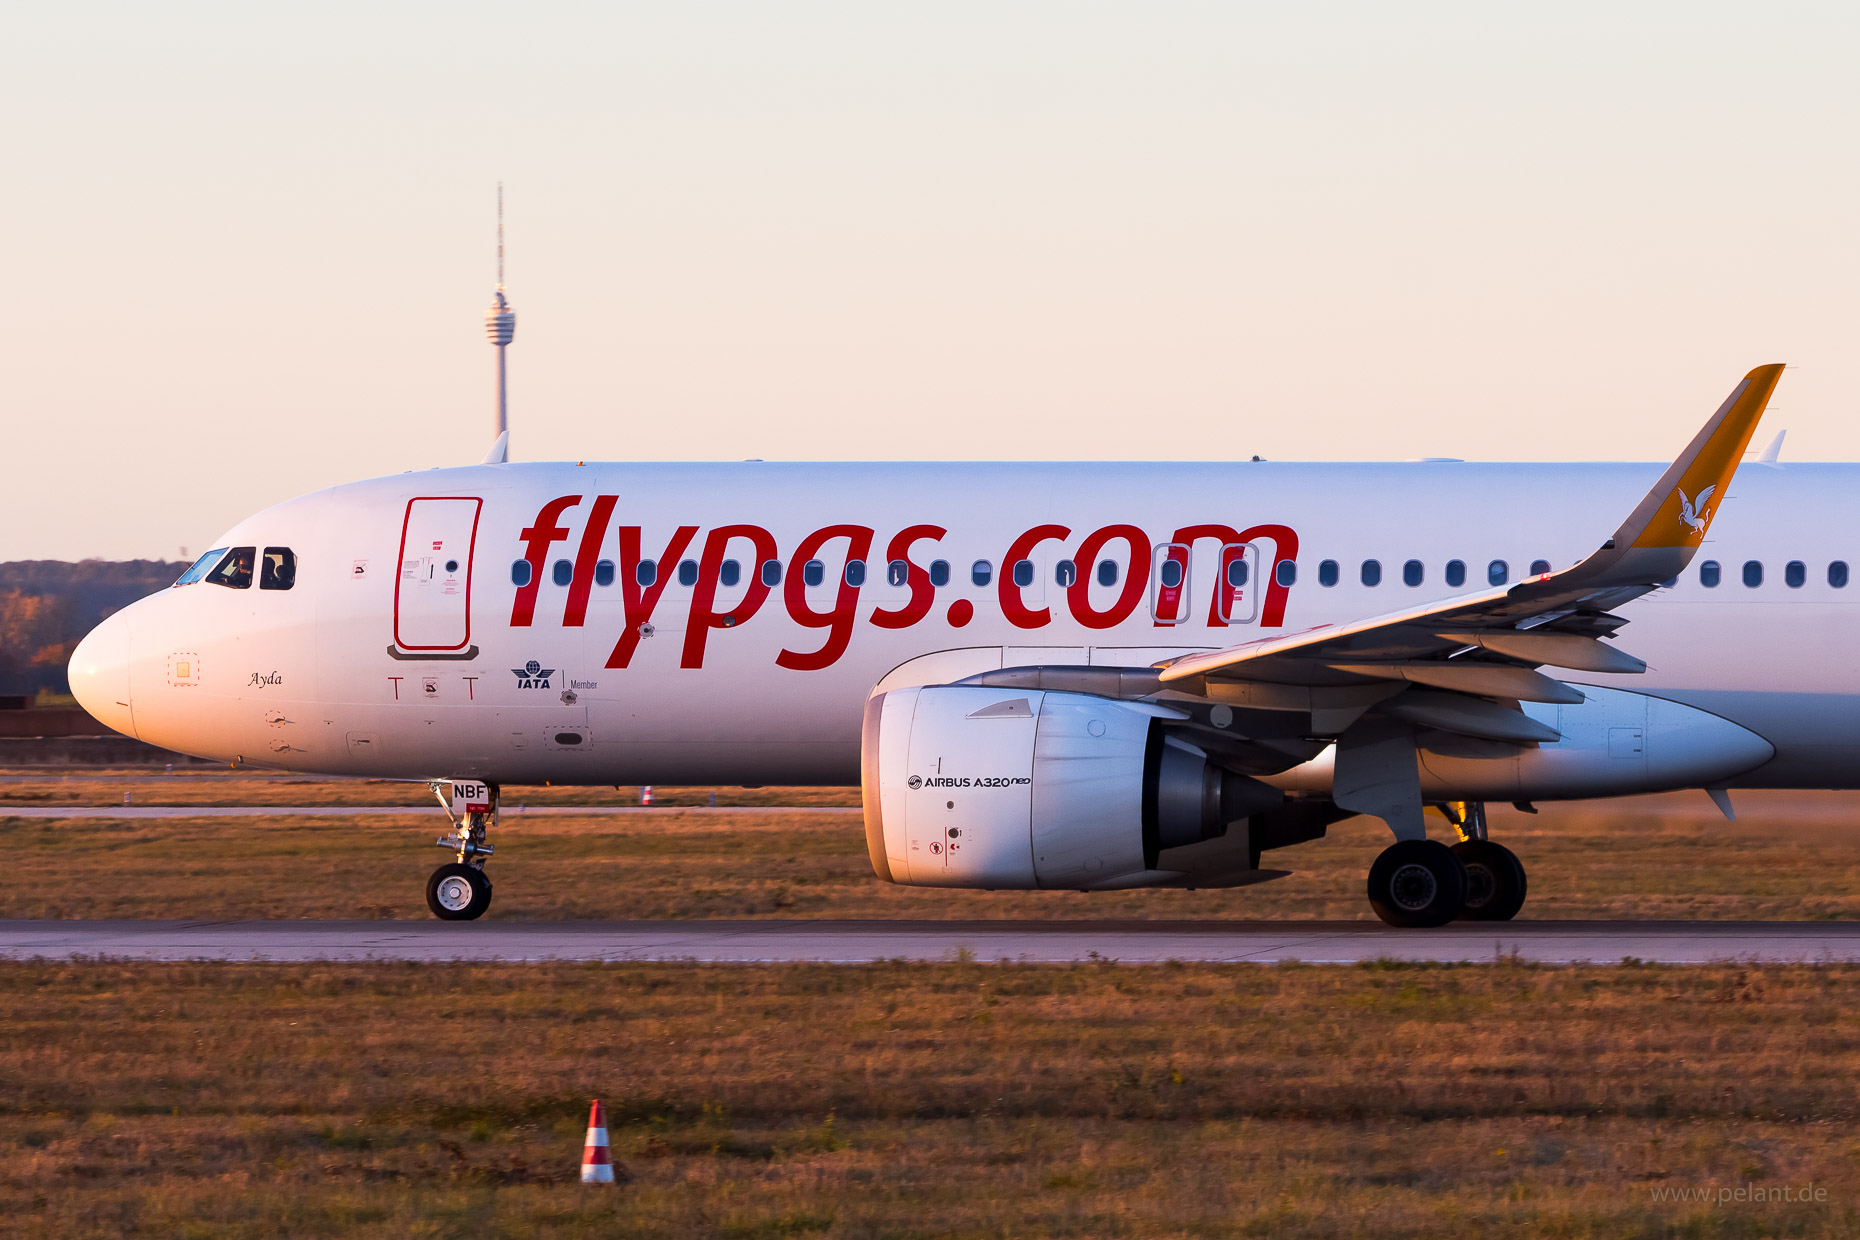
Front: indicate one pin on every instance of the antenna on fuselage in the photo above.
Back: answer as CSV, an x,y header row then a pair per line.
x,y
500,325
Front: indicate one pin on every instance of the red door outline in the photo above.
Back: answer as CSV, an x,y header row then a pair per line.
x,y
471,560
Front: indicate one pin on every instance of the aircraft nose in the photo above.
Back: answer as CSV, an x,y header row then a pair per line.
x,y
99,672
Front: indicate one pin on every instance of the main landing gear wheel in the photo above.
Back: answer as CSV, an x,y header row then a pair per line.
x,y
1417,883
458,892
1495,882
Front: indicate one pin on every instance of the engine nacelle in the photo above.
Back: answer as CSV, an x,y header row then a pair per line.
x,y
1001,788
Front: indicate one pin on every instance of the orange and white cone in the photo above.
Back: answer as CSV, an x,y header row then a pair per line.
x,y
597,1164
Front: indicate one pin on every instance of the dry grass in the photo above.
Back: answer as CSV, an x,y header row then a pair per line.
x,y
1792,856
951,1100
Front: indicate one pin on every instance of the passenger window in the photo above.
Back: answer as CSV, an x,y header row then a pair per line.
x,y
1171,574
1456,573
646,572
1107,572
855,572
1023,572
730,573
981,572
205,564
939,573
1372,572
897,573
1837,574
1065,573
687,572
771,572
604,573
278,570
1411,573
235,571
1539,567
1236,573
1753,573
1709,574
1286,573
1795,574
813,573
564,572
520,573
1497,573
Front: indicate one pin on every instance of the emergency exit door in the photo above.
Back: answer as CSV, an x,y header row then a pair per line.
x,y
432,594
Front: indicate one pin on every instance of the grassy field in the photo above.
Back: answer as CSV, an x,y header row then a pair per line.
x,y
1790,856
948,1100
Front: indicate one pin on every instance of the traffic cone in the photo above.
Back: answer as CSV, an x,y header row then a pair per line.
x,y
645,795
597,1164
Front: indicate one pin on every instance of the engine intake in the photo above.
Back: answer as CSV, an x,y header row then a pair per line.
x,y
969,786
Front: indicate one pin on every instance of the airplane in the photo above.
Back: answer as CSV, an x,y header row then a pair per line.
x,y
1068,676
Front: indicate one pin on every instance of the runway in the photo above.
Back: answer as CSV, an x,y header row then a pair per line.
x,y
853,942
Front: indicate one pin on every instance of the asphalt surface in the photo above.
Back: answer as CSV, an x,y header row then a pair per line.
x,y
1550,942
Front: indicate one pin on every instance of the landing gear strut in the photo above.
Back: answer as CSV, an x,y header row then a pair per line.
x,y
460,890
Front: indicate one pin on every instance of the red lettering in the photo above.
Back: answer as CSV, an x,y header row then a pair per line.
x,y
839,621
640,600
703,618
923,594
1285,547
576,612
539,537
1078,594
1017,612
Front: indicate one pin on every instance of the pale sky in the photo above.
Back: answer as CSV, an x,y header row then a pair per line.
x,y
249,247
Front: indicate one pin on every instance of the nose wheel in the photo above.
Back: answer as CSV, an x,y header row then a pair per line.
x,y
460,890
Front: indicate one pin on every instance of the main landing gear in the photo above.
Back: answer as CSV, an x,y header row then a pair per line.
x,y
459,890
1421,882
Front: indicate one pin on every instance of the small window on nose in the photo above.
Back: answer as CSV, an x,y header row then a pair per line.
x,y
278,569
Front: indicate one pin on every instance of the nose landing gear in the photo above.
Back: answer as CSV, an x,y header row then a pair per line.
x,y
460,890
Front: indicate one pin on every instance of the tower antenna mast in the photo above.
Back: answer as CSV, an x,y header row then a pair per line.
x,y
500,325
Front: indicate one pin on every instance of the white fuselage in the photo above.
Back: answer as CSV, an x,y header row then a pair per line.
x,y
379,661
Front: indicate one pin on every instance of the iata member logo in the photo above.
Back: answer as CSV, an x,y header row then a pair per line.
x,y
532,675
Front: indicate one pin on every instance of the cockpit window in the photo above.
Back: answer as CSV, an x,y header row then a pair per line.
x,y
201,567
235,571
278,570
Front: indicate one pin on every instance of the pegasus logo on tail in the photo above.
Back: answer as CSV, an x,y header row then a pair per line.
x,y
1695,514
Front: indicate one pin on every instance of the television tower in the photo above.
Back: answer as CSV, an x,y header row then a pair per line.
x,y
500,324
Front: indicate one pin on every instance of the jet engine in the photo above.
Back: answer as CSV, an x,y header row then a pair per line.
x,y
1001,788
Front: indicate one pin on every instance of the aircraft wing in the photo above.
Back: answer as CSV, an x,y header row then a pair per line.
x,y
1488,643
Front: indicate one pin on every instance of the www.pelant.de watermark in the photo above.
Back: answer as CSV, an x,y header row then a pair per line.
x,y
1748,1193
